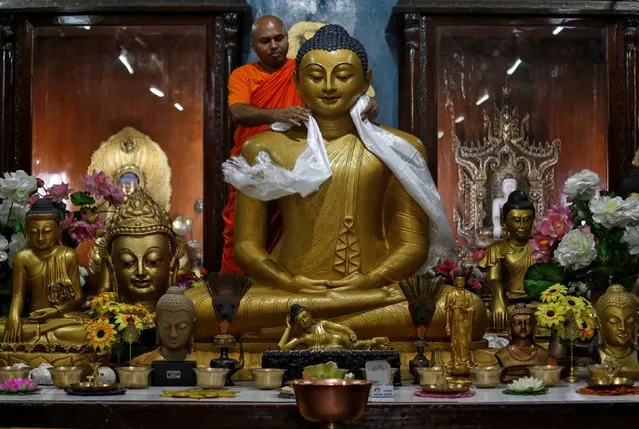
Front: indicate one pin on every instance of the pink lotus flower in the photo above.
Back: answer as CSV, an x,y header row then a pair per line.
x,y
115,195
81,231
474,284
98,184
67,221
58,192
556,223
478,254
17,385
542,248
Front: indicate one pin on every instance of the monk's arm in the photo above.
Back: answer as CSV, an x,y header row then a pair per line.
x,y
251,116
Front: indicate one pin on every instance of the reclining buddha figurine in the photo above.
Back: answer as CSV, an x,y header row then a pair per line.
x,y
356,209
49,273
140,253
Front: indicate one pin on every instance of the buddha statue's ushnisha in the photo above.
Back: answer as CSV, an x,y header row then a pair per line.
x,y
508,260
48,273
324,334
140,253
522,351
175,325
616,323
347,243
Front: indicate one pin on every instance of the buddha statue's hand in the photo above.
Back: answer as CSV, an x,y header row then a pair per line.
x,y
357,281
309,286
44,313
12,329
498,315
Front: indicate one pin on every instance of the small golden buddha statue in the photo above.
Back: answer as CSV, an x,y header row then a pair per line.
x,y
49,272
324,334
616,323
140,253
459,324
508,260
175,326
522,351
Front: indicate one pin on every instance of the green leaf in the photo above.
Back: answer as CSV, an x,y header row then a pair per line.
x,y
82,198
540,277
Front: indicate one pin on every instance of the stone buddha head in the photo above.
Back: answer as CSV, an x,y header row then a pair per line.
x,y
522,323
140,253
617,319
42,224
518,216
175,323
332,72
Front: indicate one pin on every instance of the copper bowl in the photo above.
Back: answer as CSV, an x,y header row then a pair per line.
x,y
10,372
134,377
65,376
331,400
548,374
485,376
268,378
211,378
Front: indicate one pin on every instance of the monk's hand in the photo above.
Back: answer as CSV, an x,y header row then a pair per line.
x,y
371,110
310,286
294,115
357,281
44,313
12,330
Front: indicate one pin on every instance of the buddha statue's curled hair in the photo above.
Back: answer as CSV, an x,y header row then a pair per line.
x,y
521,309
175,300
615,296
330,38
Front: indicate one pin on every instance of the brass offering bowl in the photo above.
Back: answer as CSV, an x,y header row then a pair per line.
x,y
10,372
600,370
431,375
606,382
211,378
448,386
134,377
393,371
268,378
485,376
88,387
65,376
331,401
548,374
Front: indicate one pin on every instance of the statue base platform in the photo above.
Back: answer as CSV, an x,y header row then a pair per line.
x,y
57,356
294,361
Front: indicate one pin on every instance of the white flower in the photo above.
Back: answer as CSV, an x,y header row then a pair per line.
x,y
12,210
608,211
631,236
4,246
526,384
83,276
17,186
583,185
576,250
18,241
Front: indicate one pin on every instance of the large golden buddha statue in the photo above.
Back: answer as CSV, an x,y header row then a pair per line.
x,y
140,253
49,273
508,260
347,242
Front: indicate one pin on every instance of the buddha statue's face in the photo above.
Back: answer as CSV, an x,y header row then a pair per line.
x,y
331,82
508,186
174,328
128,182
460,282
43,232
142,265
522,326
304,320
519,223
619,326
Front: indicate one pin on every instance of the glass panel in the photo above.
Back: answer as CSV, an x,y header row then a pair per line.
x,y
541,94
89,83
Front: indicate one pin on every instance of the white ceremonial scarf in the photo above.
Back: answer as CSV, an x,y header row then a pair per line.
x,y
267,181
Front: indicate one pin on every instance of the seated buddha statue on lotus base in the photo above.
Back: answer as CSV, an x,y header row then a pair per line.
x,y
47,273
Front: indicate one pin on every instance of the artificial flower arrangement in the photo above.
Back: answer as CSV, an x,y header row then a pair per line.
x,y
193,277
474,276
567,313
594,240
114,322
19,386
526,386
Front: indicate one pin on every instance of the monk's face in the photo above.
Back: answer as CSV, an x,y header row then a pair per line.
x,y
331,82
270,42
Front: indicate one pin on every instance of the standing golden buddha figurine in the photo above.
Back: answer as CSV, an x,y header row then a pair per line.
x,y
508,260
617,329
50,272
344,246
140,253
459,324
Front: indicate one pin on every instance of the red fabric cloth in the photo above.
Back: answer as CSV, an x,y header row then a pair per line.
x,y
268,91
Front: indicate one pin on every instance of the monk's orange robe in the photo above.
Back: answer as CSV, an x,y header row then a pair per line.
x,y
251,84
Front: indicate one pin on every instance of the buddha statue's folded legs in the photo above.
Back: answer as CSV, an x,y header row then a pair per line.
x,y
67,331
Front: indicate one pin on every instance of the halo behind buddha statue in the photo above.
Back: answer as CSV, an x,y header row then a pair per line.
x,y
140,253
131,159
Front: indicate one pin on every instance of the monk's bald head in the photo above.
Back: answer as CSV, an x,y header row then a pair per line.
x,y
270,41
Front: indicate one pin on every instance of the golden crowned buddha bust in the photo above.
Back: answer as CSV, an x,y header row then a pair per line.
x,y
345,245
140,253
48,273
617,328
508,260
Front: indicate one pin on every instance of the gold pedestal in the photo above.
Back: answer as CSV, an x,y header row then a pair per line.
x,y
34,359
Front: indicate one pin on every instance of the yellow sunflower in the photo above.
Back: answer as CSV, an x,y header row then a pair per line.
x,y
574,303
102,299
552,314
101,334
123,320
586,326
554,293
